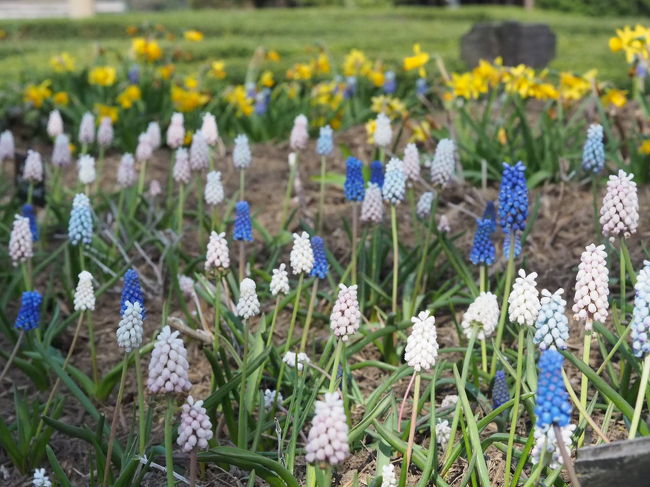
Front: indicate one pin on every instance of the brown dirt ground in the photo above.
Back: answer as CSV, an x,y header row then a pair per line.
x,y
564,227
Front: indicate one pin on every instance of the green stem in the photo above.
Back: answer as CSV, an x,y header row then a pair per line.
x,y
242,437
515,406
504,303
14,352
393,222
179,209
414,415
639,398
622,277
169,448
584,382
217,313
287,196
335,367
310,313
321,196
482,278
116,413
30,193
355,239
242,260
241,184
141,413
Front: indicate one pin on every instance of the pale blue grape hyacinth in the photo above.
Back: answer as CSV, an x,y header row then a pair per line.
x,y
552,325
641,313
593,153
325,144
80,226
241,155
394,182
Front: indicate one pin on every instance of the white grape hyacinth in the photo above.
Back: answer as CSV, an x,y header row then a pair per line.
x,y
299,136
130,330
144,149
217,256
484,312
209,129
270,397
87,129
195,429
61,154
619,215
105,132
176,131
199,153
298,360
422,344
154,136
346,316
302,255
523,301
280,280
423,208
87,172
449,400
40,478
182,173
383,131
168,367
213,192
21,246
126,174
33,169
248,304
592,287
443,432
84,296
7,147
388,478
186,284
241,154
443,163
372,208
545,439
54,124
411,163
328,436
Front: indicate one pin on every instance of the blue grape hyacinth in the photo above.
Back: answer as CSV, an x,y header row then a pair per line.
x,y
513,198
483,252
321,266
325,144
354,187
243,229
506,244
500,391
377,173
593,152
29,213
29,314
490,213
80,225
132,292
641,314
552,407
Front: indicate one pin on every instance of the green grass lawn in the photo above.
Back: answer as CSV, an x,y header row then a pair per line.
x,y
233,35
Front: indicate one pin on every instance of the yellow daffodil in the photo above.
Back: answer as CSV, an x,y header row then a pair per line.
x,y
336,121
267,79
166,71
488,73
102,76
417,61
129,96
633,42
103,111
237,97
644,148
420,131
61,98
370,131
272,56
376,77
573,87
502,136
327,94
300,72
356,63
191,82
62,63
322,64
188,137
73,148
187,100
217,69
37,94
292,90
614,97
193,35
467,86
392,107
146,49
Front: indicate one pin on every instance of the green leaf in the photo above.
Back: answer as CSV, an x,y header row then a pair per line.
x,y
60,475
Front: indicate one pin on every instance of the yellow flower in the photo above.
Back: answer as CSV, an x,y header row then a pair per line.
x,y
420,131
103,111
416,61
614,97
376,77
61,98
102,76
166,71
467,85
392,107
188,138
336,121
644,148
543,91
502,136
62,63
73,148
300,72
237,96
327,94
187,100
146,49
217,69
267,79
292,90
37,94
131,30
191,82
322,64
355,63
129,96
273,56
633,42
520,80
490,74
573,87
193,35
370,130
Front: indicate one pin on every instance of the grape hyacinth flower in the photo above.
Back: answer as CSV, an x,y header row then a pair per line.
x,y
506,243
132,292
388,478
299,136
21,247
181,172
444,162
105,132
552,400
84,296
243,229
483,313
302,254
80,225
641,315
619,215
545,440
126,175
394,182
298,360
28,212
377,173
213,192
241,155
593,153
176,131
346,316
54,124
7,147
209,129
195,429
61,154
248,304
153,135
483,252
130,330
33,169
449,400
422,344
372,208
411,163
87,172
271,397
280,281
390,85
513,198
321,266
217,256
500,391
443,432
29,313
383,132
421,86
168,368
552,328
423,207
186,284
443,224
592,287
327,442
324,144
155,189
87,129
199,152
523,302
144,149
353,189
40,478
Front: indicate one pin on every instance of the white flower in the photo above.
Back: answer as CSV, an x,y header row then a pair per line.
x,y
213,192
619,215
181,171
20,241
444,160
412,162
153,134
168,368
449,400
523,301
126,175
328,435
299,136
552,325
61,155
129,331
176,131
105,132
423,208
346,316
155,189
87,129
209,129
186,284
270,398
7,147
33,169
302,255
484,311
84,296
443,432
217,257
40,478
383,132
545,438
241,154
422,344
592,287
144,149
87,172
54,124
248,304
443,224
372,208
394,182
196,428
280,280
296,360
388,478
199,153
